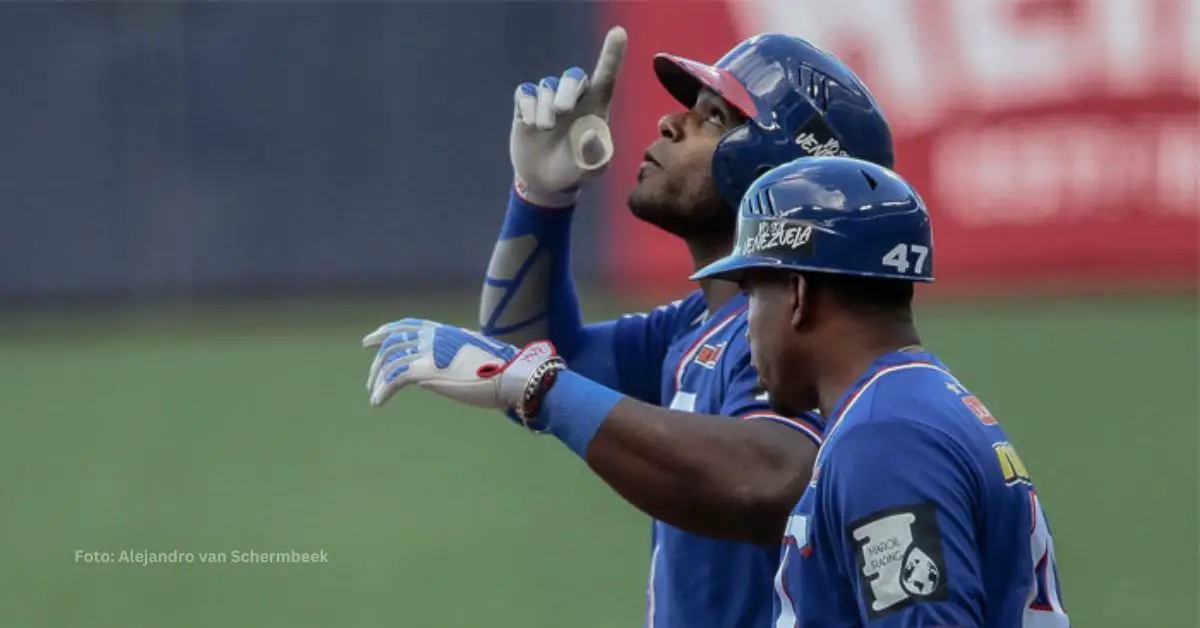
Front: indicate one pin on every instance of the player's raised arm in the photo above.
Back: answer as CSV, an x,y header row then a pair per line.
x,y
560,140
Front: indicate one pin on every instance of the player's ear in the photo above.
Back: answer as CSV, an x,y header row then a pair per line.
x,y
798,301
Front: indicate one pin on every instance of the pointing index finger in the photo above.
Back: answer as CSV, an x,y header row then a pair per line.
x,y
612,53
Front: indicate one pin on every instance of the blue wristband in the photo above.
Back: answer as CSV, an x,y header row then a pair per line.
x,y
575,408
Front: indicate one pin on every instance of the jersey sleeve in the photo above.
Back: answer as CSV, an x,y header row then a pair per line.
x,y
745,399
899,502
627,354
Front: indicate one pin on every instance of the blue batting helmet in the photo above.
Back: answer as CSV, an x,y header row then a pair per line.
x,y
800,101
832,215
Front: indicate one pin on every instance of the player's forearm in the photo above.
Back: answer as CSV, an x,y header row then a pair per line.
x,y
705,474
529,293
708,475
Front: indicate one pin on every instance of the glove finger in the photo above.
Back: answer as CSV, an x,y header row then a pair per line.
x,y
604,77
570,86
401,357
545,103
526,103
401,353
395,380
395,343
387,329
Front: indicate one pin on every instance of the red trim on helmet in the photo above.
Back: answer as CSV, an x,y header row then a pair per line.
x,y
673,73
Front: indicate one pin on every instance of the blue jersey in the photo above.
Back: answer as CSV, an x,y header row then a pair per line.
x,y
685,358
920,513
678,355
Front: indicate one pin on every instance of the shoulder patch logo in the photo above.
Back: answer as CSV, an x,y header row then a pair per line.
x,y
709,355
1011,466
979,410
899,558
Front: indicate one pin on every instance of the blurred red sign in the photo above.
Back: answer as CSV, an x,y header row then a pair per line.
x,y
1057,142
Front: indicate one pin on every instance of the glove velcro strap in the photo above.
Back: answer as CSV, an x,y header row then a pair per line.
x,y
553,201
525,379
541,380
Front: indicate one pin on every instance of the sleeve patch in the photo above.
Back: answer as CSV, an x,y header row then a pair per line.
x,y
899,557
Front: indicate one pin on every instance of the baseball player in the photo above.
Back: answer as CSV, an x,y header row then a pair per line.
x,y
919,512
665,406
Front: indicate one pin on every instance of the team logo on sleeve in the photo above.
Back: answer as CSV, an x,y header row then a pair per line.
x,y
979,410
1011,466
899,558
972,403
708,355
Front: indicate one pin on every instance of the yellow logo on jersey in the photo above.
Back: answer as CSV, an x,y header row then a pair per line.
x,y
1011,466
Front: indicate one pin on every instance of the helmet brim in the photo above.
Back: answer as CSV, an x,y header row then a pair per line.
x,y
683,79
732,267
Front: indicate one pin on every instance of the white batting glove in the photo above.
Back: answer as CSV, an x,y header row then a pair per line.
x,y
459,364
560,136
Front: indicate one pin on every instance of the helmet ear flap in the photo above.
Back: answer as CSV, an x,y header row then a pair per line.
x,y
740,159
732,160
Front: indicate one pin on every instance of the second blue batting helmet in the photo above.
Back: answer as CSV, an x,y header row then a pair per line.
x,y
833,215
799,100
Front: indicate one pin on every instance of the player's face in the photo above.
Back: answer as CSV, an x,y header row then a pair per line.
x,y
675,189
776,344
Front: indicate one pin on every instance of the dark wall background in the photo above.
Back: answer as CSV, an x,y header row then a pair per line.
x,y
162,149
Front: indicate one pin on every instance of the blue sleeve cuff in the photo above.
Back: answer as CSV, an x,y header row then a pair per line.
x,y
524,217
575,408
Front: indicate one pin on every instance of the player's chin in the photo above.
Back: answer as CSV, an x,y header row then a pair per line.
x,y
647,204
646,192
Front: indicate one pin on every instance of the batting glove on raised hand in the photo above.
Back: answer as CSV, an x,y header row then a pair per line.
x,y
461,365
560,136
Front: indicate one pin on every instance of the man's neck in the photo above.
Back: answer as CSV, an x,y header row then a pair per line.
x,y
857,349
704,252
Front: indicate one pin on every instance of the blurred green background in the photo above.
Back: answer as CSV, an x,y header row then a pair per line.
x,y
247,428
